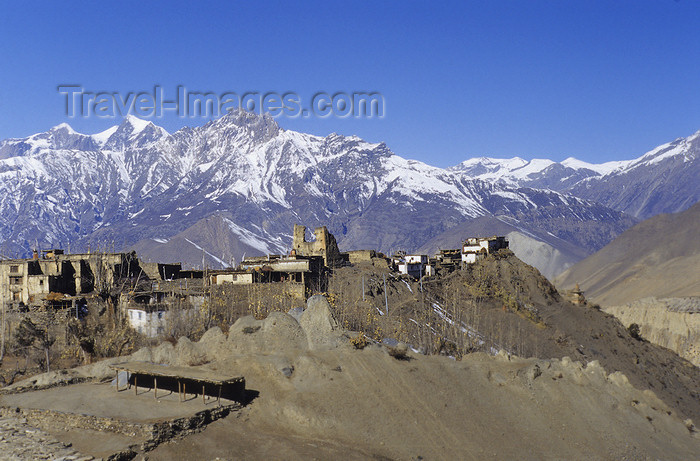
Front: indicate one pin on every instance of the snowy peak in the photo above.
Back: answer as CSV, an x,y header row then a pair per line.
x,y
60,137
686,149
63,127
102,137
509,171
599,168
136,124
132,131
259,128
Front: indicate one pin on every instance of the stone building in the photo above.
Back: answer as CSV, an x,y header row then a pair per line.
x,y
416,266
55,275
476,248
324,245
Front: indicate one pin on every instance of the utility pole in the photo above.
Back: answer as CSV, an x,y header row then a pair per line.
x,y
386,299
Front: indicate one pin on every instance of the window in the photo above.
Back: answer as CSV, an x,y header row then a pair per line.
x,y
14,269
15,280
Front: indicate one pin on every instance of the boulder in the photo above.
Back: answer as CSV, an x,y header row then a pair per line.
x,y
279,332
189,354
213,343
317,321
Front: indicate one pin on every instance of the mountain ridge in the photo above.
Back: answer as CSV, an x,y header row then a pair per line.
x,y
136,182
658,257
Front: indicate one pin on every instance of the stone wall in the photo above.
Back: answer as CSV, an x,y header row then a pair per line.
x,y
325,245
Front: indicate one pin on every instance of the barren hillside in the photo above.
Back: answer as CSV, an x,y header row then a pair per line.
x,y
315,395
659,257
503,303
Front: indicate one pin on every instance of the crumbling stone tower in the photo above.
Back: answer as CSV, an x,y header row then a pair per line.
x,y
325,245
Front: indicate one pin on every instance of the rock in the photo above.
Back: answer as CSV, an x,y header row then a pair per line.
x,y
287,371
100,370
322,329
296,312
213,343
503,355
391,342
619,379
399,351
213,337
689,425
188,353
163,354
279,332
534,372
143,355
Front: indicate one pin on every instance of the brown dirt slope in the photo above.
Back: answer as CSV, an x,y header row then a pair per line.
x,y
367,405
503,303
320,398
659,257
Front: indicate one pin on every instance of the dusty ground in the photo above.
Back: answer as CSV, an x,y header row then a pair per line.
x,y
366,404
101,399
317,397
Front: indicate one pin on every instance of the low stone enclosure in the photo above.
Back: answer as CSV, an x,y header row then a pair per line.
x,y
146,422
170,402
150,434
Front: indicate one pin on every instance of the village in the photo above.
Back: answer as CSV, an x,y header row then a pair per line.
x,y
179,350
145,292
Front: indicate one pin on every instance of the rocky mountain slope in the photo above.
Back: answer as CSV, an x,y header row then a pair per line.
x,y
664,180
247,181
501,303
658,257
136,184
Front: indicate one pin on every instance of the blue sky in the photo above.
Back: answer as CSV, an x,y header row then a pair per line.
x,y
597,80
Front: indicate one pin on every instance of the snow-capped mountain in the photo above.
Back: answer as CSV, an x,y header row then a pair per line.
x,y
664,180
237,185
519,172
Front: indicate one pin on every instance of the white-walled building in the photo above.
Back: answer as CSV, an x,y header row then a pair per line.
x,y
476,248
149,323
236,277
416,266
